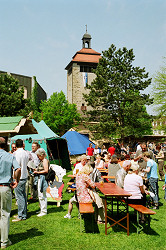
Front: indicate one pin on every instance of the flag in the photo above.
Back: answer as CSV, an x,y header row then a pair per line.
x,y
85,78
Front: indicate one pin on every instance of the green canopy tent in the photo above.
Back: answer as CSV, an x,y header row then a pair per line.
x,y
55,146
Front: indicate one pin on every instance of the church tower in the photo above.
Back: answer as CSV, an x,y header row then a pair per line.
x,y
79,72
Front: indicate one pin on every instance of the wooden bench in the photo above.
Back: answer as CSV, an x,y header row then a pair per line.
x,y
86,208
70,183
71,189
143,210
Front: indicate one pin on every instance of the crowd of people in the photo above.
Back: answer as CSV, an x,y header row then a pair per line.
x,y
21,170
25,172
135,172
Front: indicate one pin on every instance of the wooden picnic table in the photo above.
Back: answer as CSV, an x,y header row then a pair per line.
x,y
113,191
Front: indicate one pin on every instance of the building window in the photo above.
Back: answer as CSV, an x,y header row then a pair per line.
x,y
84,68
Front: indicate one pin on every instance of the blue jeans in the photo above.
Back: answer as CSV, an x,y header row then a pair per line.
x,y
154,189
20,192
5,209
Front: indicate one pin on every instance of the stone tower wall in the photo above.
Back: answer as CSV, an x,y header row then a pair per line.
x,y
75,86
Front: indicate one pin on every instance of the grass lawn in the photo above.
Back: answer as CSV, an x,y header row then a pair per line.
x,y
54,232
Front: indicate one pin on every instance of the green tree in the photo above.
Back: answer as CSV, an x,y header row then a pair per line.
x,y
159,95
11,97
58,114
159,91
116,97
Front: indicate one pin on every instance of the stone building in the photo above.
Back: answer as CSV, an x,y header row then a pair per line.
x,y
79,73
28,82
159,125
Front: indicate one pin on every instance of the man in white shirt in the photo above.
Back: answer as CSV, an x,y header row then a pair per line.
x,y
35,146
33,164
20,191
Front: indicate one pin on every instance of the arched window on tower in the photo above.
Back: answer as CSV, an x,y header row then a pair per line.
x,y
87,45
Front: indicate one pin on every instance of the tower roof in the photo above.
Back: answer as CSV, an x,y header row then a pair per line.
x,y
86,35
85,55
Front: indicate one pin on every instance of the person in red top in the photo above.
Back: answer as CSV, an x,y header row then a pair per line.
x,y
90,150
111,150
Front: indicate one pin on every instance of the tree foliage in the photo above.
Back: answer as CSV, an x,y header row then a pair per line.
x,y
159,91
58,114
11,97
116,97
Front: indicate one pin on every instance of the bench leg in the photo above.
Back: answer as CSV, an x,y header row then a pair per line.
x,y
139,226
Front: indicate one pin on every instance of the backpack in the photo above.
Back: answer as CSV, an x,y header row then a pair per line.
x,y
50,176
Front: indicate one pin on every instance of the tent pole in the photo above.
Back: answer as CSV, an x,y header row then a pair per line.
x,y
58,152
49,150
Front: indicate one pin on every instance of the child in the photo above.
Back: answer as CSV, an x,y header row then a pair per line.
x,y
164,186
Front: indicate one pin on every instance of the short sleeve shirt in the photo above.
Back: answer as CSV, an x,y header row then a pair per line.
x,y
7,164
132,184
153,169
90,151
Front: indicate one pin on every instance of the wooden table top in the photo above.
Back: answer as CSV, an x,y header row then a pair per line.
x,y
111,189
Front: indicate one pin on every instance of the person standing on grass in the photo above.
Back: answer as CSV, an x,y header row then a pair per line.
x,y
13,148
20,191
164,186
152,176
90,151
42,185
36,161
8,163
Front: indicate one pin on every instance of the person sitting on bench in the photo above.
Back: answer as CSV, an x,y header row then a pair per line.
x,y
133,183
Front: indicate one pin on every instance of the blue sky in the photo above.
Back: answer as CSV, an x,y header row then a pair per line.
x,y
39,37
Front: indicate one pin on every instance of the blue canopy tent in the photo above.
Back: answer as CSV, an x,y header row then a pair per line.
x,y
55,146
77,143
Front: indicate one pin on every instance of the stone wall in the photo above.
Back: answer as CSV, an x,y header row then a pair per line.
x,y
75,86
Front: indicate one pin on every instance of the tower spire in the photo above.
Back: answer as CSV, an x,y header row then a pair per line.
x,y
86,40
86,28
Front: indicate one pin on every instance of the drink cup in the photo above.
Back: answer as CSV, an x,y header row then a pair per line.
x,y
101,183
77,170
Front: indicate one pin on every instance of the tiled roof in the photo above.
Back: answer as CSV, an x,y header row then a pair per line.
x,y
86,55
88,51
